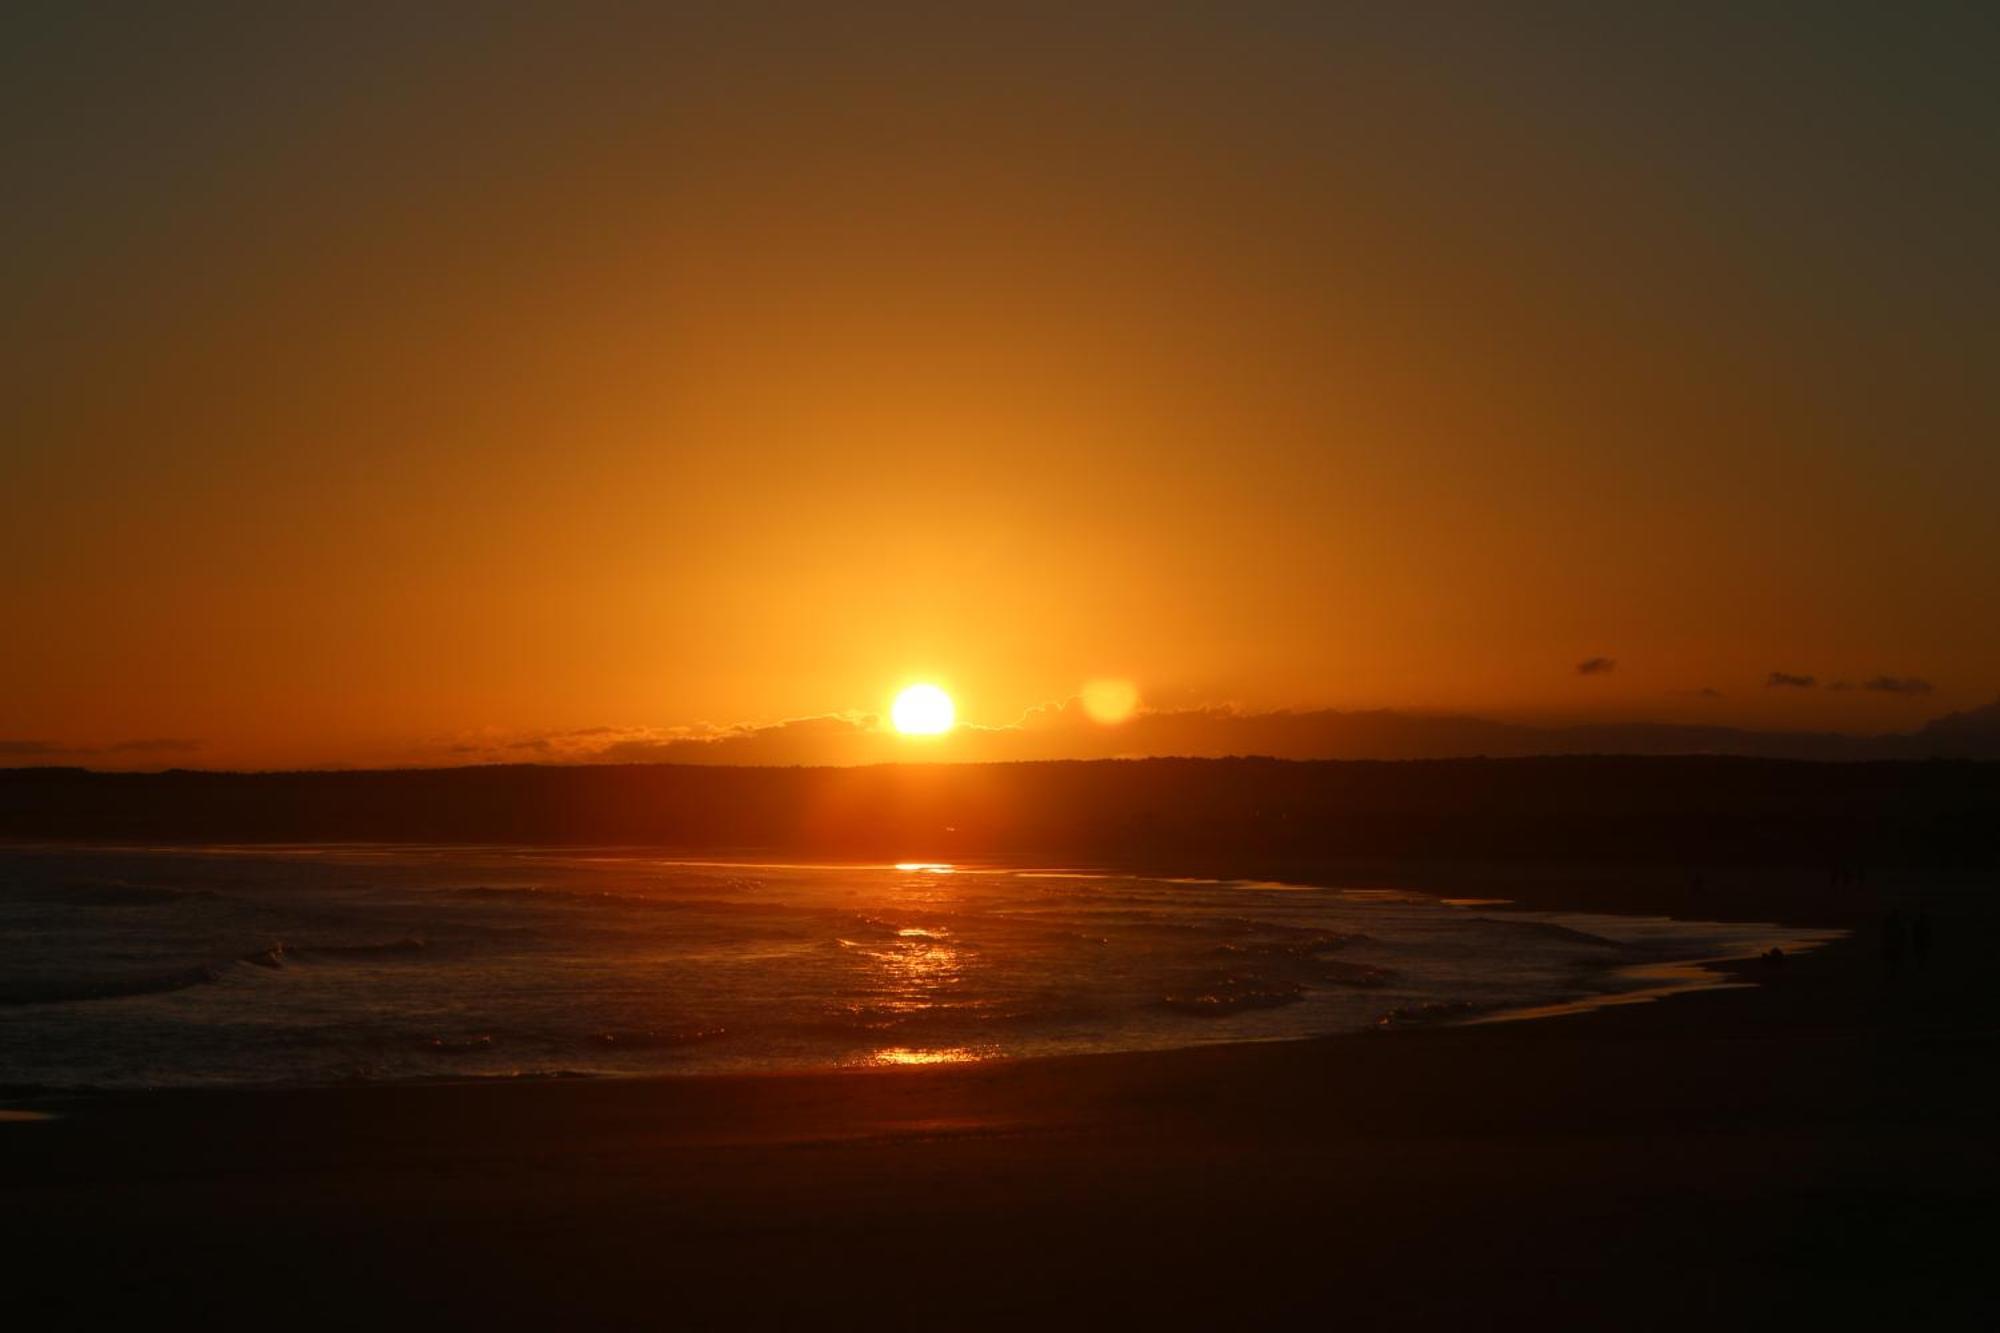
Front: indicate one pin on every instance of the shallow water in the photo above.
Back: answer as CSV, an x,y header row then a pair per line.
x,y
122,968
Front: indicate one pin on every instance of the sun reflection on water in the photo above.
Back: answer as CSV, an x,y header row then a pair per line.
x,y
915,970
907,1055
915,989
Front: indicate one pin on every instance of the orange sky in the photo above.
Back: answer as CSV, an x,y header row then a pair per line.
x,y
378,384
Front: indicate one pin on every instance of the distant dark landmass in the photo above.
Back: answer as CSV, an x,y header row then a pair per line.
x,y
1389,734
1241,814
1066,731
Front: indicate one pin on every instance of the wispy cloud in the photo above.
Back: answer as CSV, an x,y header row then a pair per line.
x,y
26,749
850,737
841,738
1063,729
1897,685
1785,680
1595,666
39,749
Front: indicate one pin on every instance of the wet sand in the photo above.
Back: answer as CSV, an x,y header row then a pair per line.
x,y
1817,1147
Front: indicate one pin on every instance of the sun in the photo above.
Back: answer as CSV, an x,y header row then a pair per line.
x,y
923,710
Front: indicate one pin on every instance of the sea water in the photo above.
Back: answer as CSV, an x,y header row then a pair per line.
x,y
123,968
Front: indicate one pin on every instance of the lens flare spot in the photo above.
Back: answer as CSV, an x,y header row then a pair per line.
x,y
1110,701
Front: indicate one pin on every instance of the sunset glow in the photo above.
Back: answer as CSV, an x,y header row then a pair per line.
x,y
1255,364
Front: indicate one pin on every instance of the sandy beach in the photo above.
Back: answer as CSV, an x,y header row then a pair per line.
x,y
1815,1145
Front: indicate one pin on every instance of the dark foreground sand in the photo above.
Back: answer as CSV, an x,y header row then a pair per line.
x,y
1817,1150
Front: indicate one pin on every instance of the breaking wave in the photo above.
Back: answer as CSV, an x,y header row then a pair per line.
x,y
65,990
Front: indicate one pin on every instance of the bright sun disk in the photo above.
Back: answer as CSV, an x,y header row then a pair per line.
x,y
923,710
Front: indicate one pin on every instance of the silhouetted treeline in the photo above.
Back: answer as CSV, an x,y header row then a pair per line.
x,y
1601,810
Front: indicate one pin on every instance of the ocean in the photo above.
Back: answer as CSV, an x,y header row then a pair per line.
x,y
146,968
